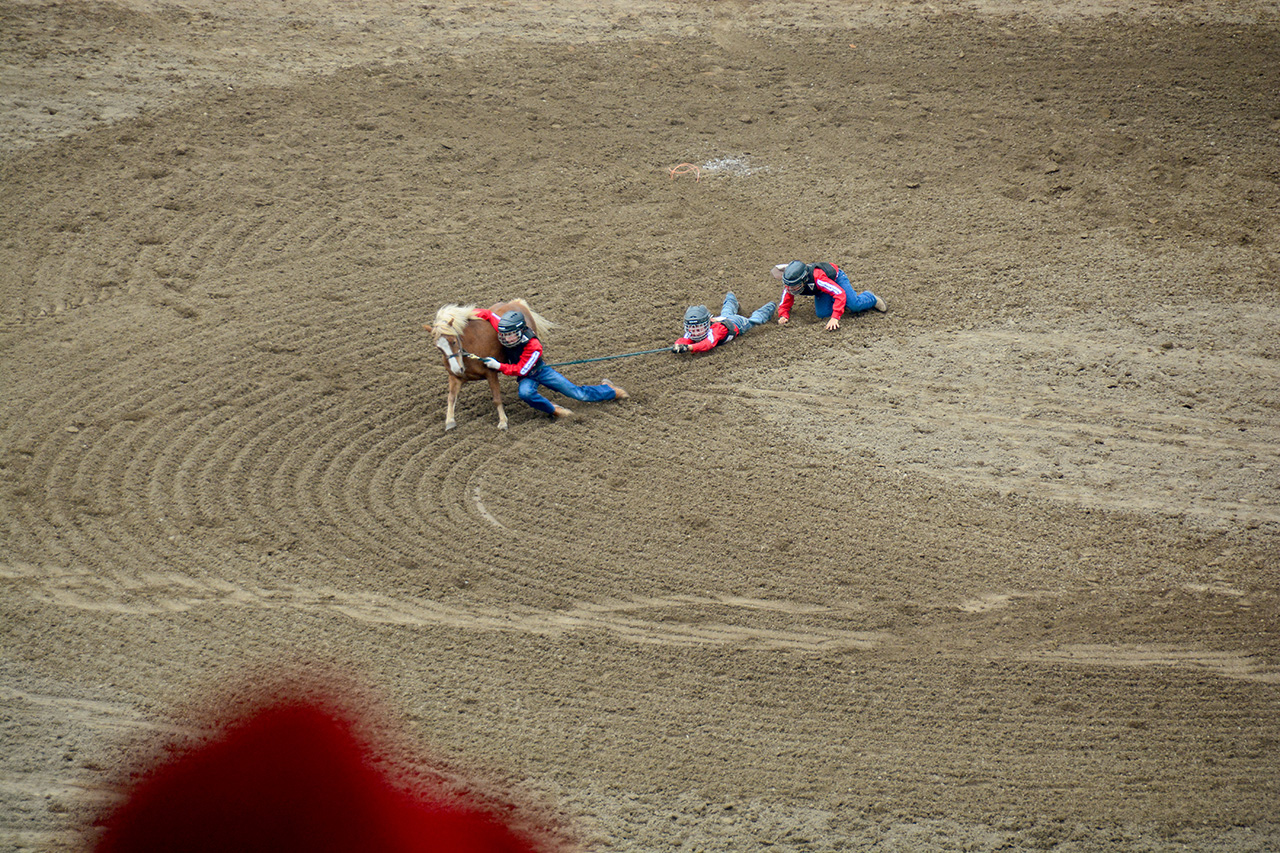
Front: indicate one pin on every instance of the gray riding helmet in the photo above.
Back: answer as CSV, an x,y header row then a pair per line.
x,y
511,329
697,322
793,277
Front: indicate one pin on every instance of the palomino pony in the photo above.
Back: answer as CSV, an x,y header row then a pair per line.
x,y
465,339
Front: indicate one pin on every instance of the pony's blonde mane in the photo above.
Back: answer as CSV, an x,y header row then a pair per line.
x,y
452,319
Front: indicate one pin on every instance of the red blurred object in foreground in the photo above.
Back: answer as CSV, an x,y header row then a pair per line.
x,y
292,778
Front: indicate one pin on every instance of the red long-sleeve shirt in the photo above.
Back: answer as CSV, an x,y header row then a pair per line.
x,y
719,333
821,281
528,357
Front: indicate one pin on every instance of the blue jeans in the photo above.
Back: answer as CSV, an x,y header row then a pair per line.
x,y
729,311
548,376
854,302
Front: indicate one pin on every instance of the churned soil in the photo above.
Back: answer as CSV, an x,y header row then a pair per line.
x,y
994,570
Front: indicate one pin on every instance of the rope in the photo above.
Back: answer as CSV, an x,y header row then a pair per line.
x,y
607,357
685,169
584,360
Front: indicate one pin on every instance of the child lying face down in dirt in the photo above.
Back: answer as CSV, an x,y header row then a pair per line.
x,y
702,332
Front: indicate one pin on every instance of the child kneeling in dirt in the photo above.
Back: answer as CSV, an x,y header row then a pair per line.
x,y
830,288
702,332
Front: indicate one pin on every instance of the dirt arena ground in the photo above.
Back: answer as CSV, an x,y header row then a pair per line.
x,y
996,570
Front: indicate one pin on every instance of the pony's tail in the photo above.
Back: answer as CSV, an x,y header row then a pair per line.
x,y
538,320
543,322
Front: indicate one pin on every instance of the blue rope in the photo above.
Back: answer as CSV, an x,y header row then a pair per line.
x,y
582,360
608,357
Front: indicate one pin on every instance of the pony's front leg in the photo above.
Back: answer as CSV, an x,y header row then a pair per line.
x,y
454,384
497,399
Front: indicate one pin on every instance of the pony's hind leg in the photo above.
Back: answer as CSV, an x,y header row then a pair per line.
x,y
497,399
454,384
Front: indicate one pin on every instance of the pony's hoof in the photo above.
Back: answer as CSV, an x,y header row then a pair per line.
x,y
502,425
448,425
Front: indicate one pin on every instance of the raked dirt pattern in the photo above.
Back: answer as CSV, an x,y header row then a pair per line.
x,y
995,570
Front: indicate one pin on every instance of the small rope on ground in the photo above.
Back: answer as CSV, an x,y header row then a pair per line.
x,y
685,169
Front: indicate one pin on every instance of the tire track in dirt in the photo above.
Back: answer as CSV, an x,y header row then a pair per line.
x,y
164,592
78,784
115,716
1245,667
641,620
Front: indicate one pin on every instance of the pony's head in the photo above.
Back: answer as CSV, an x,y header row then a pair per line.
x,y
447,330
